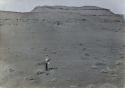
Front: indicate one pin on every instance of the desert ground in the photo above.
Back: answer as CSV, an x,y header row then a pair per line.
x,y
86,46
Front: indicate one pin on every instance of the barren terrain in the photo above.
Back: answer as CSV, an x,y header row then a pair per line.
x,y
86,46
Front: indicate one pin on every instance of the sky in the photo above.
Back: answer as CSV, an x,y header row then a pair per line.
x,y
117,6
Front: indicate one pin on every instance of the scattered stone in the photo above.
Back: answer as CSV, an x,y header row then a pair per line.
x,y
32,48
118,62
47,73
73,86
45,49
109,69
80,44
52,87
54,79
84,49
100,63
17,55
116,31
114,75
94,67
58,23
11,70
122,57
91,86
123,45
41,63
29,78
107,85
86,54
96,58
54,52
104,71
40,72
83,19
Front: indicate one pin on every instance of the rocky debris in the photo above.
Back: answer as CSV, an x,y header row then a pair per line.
x,y
11,70
45,49
109,70
84,49
104,71
96,58
31,78
114,75
54,52
80,44
100,63
119,62
73,86
53,79
122,57
108,85
91,86
40,63
40,72
53,87
87,54
84,19
58,23
94,67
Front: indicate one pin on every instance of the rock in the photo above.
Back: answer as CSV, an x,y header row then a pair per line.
x,y
114,75
122,57
73,86
83,19
54,52
29,78
96,58
91,86
118,62
54,79
40,63
108,85
80,44
104,71
53,87
109,69
94,67
40,72
87,54
84,49
58,23
100,63
11,70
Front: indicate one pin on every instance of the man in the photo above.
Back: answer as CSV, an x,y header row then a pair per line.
x,y
47,62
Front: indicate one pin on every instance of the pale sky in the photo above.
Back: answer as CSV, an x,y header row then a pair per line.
x,y
117,6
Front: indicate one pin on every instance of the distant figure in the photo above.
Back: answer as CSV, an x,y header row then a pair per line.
x,y
47,62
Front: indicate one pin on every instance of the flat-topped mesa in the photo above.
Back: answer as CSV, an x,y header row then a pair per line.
x,y
85,10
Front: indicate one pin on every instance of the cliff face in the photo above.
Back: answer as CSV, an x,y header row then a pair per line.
x,y
86,10
86,46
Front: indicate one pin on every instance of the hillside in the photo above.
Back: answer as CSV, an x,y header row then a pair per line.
x,y
86,46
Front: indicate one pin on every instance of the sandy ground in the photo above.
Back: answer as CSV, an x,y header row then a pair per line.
x,y
86,51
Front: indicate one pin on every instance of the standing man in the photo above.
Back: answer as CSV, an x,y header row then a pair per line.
x,y
47,62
